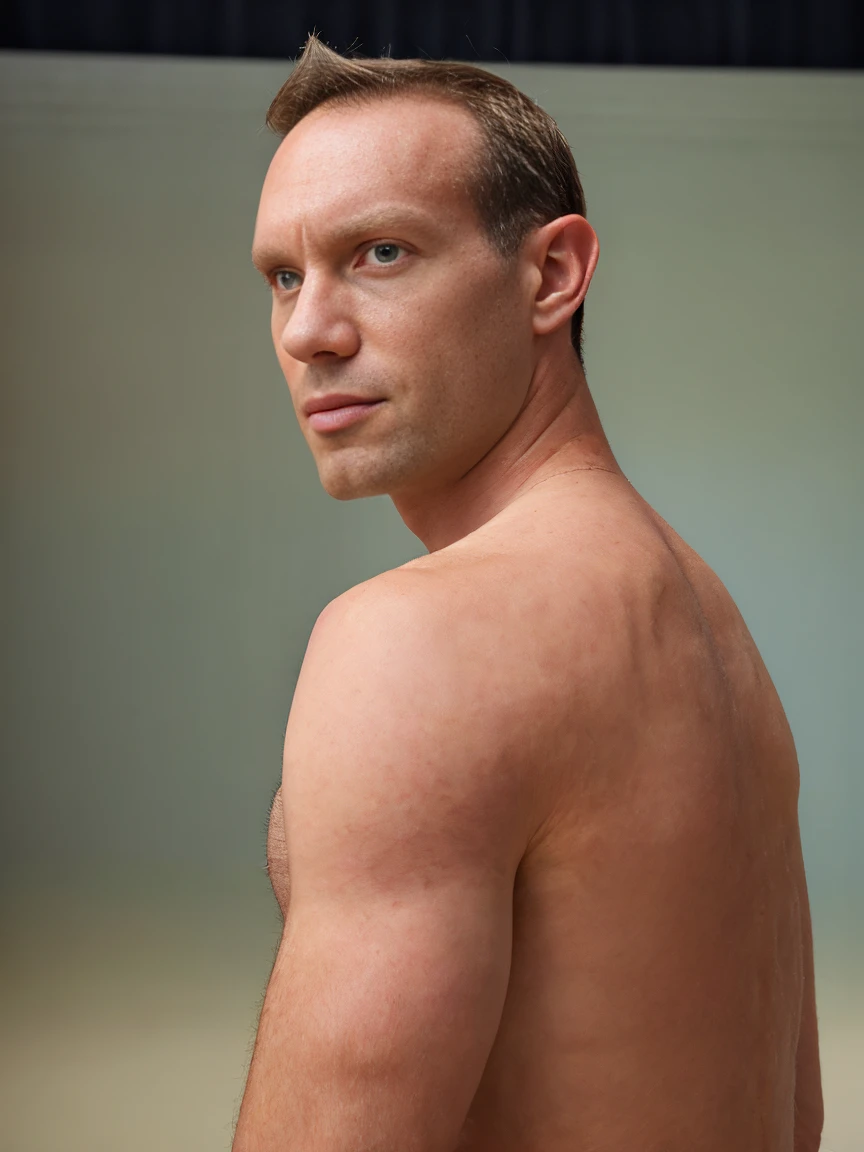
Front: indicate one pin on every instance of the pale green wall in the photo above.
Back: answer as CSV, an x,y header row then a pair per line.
x,y
166,546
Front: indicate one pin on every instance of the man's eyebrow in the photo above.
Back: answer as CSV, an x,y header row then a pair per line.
x,y
381,221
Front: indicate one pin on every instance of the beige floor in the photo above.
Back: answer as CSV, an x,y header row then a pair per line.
x,y
128,1020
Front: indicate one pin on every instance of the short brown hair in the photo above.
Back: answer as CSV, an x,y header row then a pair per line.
x,y
525,175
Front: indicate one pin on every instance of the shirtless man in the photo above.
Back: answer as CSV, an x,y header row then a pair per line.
x,y
536,846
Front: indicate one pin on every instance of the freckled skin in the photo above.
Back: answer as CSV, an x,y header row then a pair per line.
x,y
536,845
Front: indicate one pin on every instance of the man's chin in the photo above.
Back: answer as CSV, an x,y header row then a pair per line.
x,y
354,473
342,486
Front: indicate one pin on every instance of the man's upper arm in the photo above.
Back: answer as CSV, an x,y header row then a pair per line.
x,y
404,830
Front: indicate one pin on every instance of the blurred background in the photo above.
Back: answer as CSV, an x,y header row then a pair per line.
x,y
166,546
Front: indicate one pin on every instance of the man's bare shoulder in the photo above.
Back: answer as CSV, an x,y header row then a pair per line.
x,y
544,626
390,703
498,606
392,621
467,625
564,575
431,639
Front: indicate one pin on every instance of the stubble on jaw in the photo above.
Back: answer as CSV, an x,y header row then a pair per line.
x,y
372,465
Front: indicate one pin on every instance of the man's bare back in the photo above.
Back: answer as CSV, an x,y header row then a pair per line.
x,y
660,926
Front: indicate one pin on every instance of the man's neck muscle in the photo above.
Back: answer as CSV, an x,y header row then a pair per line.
x,y
557,430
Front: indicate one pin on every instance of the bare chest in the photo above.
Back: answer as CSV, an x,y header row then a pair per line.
x,y
277,854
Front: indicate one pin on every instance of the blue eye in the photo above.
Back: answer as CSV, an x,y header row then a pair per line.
x,y
385,253
283,281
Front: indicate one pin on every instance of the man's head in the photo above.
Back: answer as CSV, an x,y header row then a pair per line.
x,y
392,227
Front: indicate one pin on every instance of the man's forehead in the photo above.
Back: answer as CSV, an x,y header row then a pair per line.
x,y
407,149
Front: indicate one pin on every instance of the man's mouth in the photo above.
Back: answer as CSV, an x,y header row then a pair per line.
x,y
332,413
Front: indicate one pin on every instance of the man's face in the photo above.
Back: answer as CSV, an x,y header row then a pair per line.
x,y
386,288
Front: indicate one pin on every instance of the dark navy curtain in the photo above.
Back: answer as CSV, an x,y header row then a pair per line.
x,y
708,33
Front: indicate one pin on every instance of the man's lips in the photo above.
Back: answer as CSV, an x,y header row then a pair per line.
x,y
335,400
330,413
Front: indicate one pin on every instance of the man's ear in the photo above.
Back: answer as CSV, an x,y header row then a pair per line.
x,y
565,251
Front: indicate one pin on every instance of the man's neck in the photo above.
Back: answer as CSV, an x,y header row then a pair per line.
x,y
557,431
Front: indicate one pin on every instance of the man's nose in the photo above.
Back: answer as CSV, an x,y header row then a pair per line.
x,y
319,325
